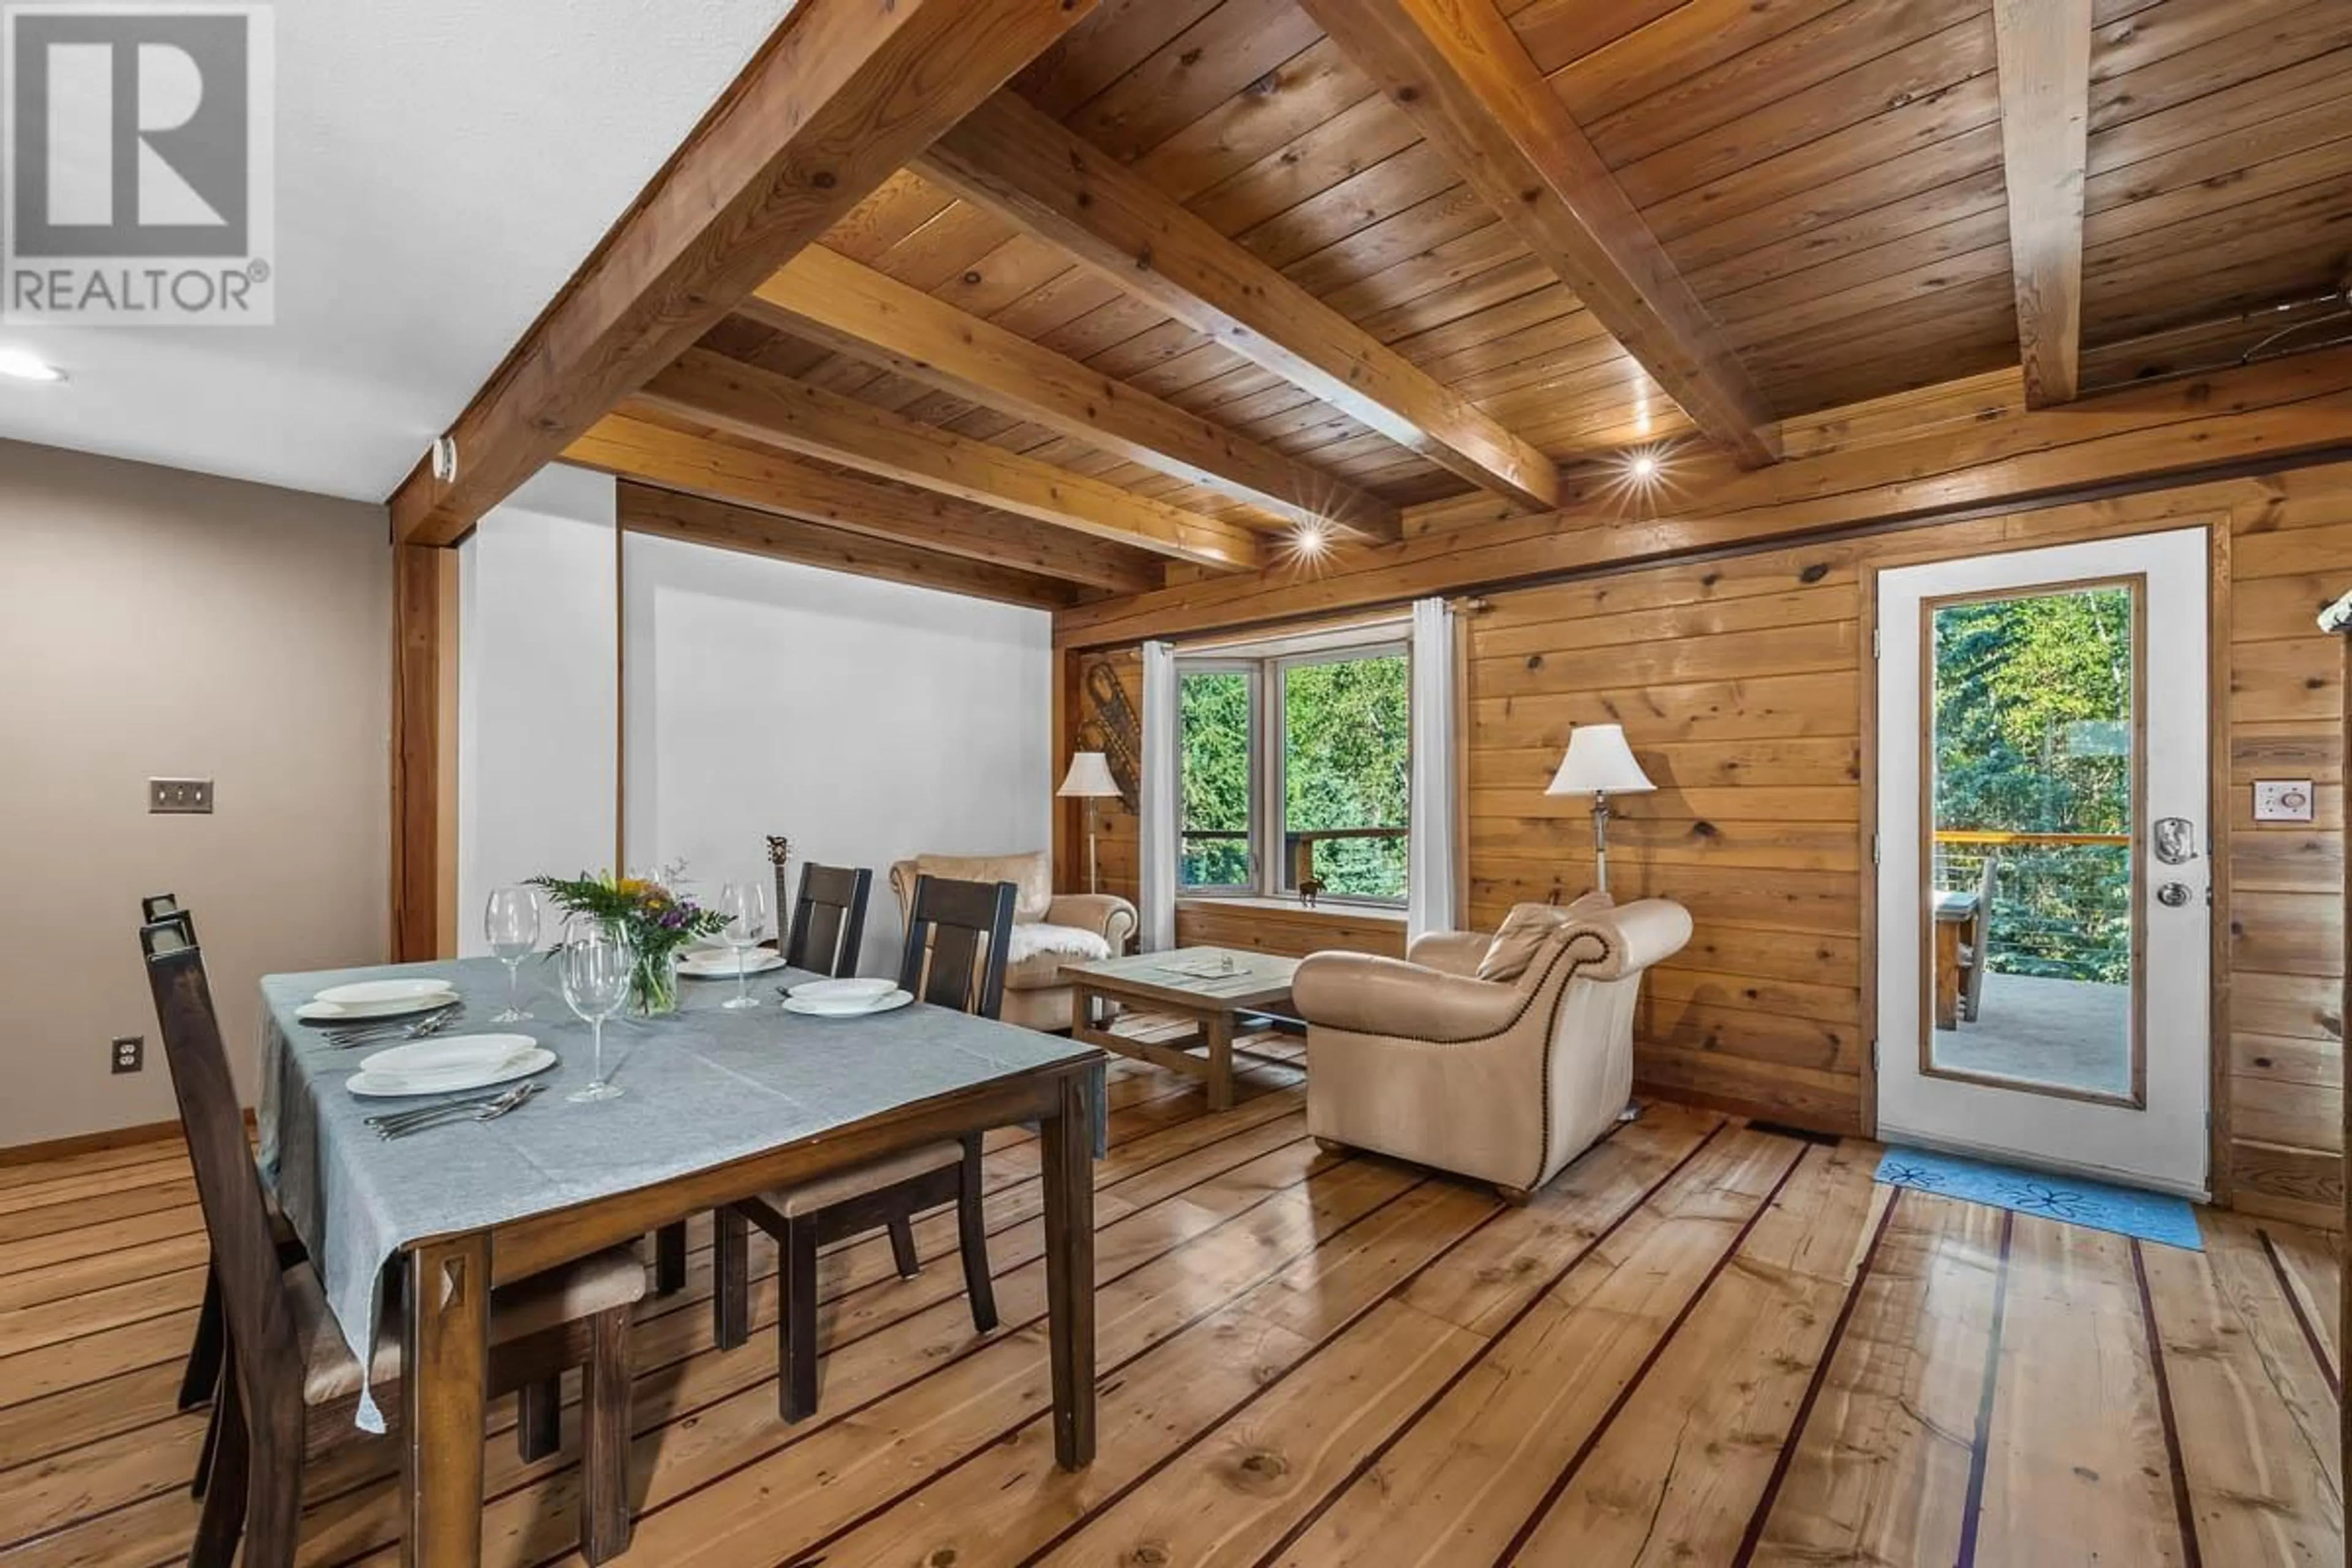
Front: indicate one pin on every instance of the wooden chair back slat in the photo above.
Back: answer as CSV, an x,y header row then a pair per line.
x,y
228,1189
828,928
956,941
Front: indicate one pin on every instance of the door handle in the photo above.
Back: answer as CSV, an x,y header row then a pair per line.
x,y
2173,895
2175,840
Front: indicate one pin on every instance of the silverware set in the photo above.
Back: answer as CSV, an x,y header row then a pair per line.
x,y
377,1034
480,1108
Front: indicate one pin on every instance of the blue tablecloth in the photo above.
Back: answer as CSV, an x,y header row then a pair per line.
x,y
704,1086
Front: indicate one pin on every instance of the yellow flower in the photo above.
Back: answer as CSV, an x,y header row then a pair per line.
x,y
634,887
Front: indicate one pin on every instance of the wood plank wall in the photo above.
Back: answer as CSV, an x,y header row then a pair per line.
x,y
1741,683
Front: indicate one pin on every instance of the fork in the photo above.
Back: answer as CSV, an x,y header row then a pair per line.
x,y
484,1110
419,1030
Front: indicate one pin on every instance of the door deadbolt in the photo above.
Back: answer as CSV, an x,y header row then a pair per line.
x,y
2172,895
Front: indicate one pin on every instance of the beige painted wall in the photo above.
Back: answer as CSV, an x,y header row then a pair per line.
x,y
160,623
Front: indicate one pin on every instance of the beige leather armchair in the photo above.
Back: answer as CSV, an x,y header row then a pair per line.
x,y
1047,927
1503,1080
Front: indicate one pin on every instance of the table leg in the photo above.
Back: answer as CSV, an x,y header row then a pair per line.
x,y
1948,975
1217,1028
1082,1012
444,1374
1066,1145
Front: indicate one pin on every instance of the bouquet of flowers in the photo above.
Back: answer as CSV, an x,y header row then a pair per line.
x,y
659,921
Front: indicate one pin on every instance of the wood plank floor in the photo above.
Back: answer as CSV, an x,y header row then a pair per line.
x,y
1705,1343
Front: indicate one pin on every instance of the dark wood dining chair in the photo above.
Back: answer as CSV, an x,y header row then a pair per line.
x,y
956,938
200,1381
290,1382
828,928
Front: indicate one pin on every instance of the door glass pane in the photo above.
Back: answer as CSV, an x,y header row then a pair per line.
x,y
2031,947
1347,776
1213,848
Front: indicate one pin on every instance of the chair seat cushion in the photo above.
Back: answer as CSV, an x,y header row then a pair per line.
x,y
1034,955
813,1197
598,1283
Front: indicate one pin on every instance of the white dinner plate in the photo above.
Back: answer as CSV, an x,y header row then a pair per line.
x,y
454,1053
377,993
890,1002
369,1086
827,991
353,1012
722,965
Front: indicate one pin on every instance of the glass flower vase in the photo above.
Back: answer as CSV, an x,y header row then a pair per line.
x,y
653,987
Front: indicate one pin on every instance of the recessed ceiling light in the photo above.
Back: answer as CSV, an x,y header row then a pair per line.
x,y
1310,539
24,365
1643,466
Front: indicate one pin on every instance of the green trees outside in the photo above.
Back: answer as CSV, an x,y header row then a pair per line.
x,y
2033,735
1346,754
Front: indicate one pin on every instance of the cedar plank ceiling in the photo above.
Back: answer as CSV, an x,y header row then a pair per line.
x,y
1827,175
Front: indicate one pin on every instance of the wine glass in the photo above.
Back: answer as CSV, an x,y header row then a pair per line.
x,y
745,905
511,925
596,963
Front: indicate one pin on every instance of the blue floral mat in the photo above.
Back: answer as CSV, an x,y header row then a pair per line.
x,y
2101,1205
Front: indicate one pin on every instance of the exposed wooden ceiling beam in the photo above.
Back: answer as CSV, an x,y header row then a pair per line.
x,y
776,411
836,101
700,521
706,466
852,309
1461,77
2043,50
1035,173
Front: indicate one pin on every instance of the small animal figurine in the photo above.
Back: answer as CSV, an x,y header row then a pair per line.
x,y
1309,890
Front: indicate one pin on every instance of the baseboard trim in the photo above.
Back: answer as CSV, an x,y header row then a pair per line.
x,y
96,1142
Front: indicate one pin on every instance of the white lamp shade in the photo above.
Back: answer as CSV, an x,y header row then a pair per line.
x,y
1088,778
1599,761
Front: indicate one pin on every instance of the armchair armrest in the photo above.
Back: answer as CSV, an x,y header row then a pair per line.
x,y
1107,914
1639,935
1369,995
1453,951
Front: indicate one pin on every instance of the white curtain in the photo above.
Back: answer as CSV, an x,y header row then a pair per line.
x,y
1432,852
1163,798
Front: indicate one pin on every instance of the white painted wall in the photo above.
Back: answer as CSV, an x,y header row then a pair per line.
x,y
538,704
865,721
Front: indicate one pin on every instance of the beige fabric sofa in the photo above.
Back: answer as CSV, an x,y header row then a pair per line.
x,y
1506,1081
1034,995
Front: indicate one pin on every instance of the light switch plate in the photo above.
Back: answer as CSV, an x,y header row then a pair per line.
x,y
2283,800
176,796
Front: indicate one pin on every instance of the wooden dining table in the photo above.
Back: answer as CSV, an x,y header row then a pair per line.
x,y
718,1106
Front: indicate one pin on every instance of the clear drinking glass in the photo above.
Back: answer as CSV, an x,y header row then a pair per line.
x,y
596,962
510,924
745,905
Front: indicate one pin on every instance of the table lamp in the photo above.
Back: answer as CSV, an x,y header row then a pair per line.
x,y
1600,761
1088,780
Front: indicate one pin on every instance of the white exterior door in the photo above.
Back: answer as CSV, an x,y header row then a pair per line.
x,y
2044,927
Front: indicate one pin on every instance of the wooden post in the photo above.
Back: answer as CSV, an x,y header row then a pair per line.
x,y
424,753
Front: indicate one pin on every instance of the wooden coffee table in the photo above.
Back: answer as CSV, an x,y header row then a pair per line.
x,y
1207,985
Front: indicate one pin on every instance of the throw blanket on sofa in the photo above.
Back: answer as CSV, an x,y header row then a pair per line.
x,y
1069,942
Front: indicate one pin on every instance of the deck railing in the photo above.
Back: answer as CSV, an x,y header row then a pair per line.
x,y
2060,901
1219,858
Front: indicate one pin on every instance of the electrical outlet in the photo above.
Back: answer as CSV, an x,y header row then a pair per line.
x,y
180,796
129,1053
2283,800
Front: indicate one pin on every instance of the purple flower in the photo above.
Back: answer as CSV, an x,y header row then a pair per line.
x,y
673,918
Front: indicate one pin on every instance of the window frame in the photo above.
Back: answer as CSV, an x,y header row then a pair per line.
x,y
1269,707
1254,829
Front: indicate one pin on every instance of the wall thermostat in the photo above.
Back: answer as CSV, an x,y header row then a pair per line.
x,y
2283,800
